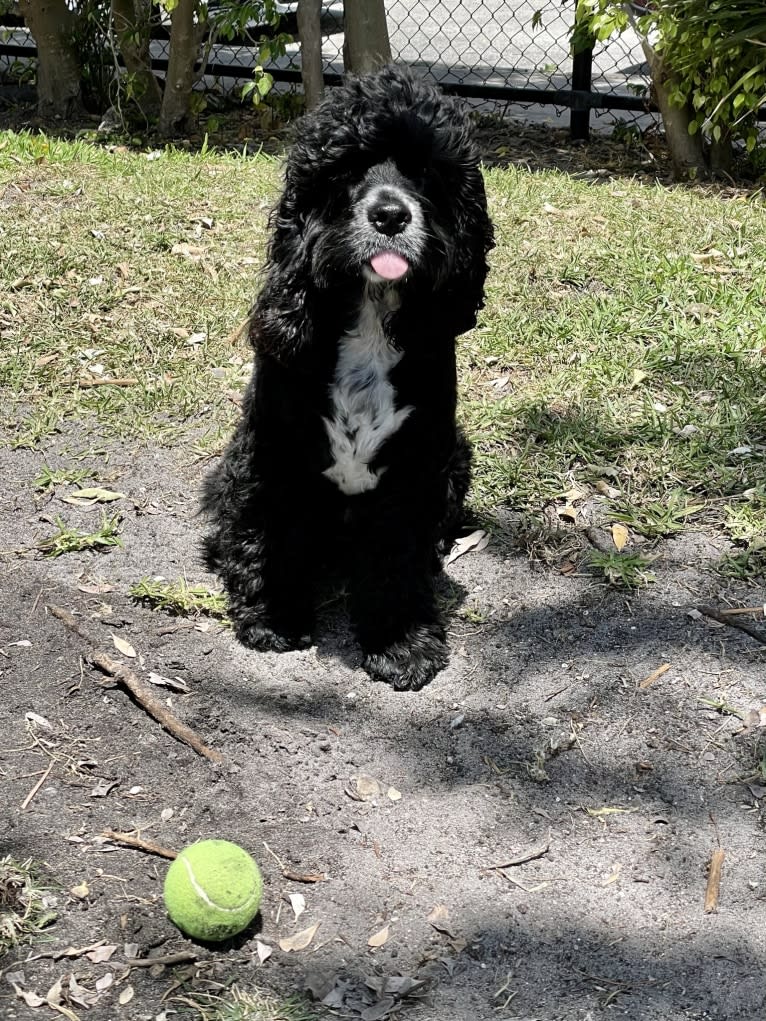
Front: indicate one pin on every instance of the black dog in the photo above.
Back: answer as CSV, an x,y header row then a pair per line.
x,y
348,441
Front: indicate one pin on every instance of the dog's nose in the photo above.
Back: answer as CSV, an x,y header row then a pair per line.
x,y
389,216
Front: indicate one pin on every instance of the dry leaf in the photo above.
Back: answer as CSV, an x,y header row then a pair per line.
x,y
193,252
620,536
379,1011
607,490
95,588
80,995
174,683
367,787
298,904
101,954
613,877
300,940
104,788
126,995
439,919
393,794
606,810
87,497
39,721
54,996
103,983
638,377
380,938
567,512
80,891
476,541
124,647
31,999
263,950
755,717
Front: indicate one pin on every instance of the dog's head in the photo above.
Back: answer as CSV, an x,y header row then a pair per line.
x,y
382,186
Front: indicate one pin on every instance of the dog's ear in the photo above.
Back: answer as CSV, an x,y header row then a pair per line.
x,y
281,321
463,288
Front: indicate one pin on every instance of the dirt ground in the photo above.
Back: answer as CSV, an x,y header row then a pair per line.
x,y
538,749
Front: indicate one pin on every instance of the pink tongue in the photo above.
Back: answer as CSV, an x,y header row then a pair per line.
x,y
389,265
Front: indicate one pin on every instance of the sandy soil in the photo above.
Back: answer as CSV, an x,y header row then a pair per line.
x,y
537,742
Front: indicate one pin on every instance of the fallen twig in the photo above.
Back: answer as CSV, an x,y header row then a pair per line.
x,y
731,621
125,381
37,786
714,881
239,334
137,689
148,962
140,845
523,858
721,707
302,877
654,676
754,610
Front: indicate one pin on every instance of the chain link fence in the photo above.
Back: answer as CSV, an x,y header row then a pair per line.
x,y
508,54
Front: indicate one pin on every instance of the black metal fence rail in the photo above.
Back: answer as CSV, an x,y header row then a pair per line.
x,y
490,51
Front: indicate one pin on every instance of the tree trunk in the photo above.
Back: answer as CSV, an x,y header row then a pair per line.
x,y
310,35
185,39
366,46
131,26
52,23
686,152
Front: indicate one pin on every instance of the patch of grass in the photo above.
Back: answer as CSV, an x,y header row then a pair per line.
x,y
251,1005
623,570
745,565
145,295
622,337
73,540
744,521
655,519
26,906
180,598
49,478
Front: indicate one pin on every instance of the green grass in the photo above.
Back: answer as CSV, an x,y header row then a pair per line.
x,y
622,342
74,540
50,478
180,598
26,906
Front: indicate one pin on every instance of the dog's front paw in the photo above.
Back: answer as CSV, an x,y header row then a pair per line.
x,y
410,664
257,635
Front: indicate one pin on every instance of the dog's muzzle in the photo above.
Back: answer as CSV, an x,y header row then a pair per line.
x,y
392,230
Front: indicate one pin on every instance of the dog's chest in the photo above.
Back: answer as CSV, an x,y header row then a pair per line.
x,y
363,402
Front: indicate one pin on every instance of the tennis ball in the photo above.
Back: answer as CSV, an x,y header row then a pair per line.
x,y
213,890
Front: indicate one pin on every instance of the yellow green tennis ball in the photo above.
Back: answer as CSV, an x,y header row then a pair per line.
x,y
213,890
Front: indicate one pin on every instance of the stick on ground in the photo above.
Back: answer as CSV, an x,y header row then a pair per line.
x,y
730,621
138,690
714,881
523,858
141,845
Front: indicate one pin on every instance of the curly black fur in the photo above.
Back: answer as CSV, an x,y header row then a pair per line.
x,y
337,451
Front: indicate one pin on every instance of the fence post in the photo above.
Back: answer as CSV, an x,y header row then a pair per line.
x,y
582,75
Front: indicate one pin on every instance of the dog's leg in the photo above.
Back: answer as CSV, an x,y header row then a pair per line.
x,y
393,607
260,546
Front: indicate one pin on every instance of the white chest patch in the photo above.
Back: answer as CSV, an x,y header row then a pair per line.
x,y
364,414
